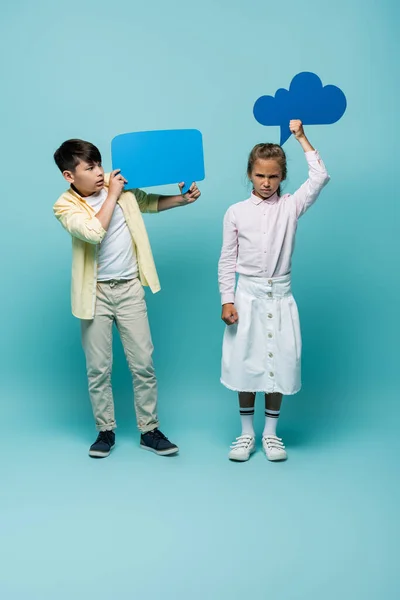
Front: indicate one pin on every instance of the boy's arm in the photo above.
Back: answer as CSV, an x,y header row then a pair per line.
x,y
116,185
167,202
152,203
148,203
78,223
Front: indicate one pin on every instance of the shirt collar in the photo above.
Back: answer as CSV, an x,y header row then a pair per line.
x,y
271,200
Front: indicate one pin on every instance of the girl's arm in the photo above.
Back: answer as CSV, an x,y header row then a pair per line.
x,y
227,261
318,176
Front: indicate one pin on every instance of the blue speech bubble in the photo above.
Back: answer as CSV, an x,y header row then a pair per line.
x,y
307,99
150,158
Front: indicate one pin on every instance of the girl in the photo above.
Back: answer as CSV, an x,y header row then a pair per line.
x,y
262,341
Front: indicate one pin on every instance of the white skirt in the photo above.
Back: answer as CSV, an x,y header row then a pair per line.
x,y
262,352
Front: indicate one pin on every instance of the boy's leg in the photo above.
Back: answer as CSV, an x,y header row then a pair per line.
x,y
133,326
134,329
273,446
97,345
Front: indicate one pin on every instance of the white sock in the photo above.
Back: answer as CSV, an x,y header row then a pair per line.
x,y
271,421
247,417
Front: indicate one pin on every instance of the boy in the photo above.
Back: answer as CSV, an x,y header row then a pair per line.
x,y
111,261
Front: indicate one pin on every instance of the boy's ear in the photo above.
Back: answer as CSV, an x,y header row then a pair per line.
x,y
68,176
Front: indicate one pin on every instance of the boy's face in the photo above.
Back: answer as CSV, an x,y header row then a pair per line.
x,y
87,178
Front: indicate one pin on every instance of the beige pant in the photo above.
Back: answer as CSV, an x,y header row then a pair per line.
x,y
123,304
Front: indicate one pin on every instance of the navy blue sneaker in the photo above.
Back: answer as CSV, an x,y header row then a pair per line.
x,y
155,441
103,445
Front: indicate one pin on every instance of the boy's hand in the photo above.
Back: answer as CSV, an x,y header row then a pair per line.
x,y
296,127
117,182
229,314
192,195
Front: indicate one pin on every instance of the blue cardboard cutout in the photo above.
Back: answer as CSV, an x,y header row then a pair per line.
x,y
150,158
307,99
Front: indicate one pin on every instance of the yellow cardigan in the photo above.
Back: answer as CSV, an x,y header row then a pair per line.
x,y
79,219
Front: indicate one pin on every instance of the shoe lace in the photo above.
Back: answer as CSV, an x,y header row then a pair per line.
x,y
104,436
243,441
158,435
273,442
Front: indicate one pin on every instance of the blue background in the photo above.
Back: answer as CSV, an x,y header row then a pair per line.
x,y
325,523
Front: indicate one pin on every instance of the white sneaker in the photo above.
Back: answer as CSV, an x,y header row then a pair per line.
x,y
274,448
242,447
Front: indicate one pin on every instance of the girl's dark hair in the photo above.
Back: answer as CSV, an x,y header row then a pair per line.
x,y
71,152
267,151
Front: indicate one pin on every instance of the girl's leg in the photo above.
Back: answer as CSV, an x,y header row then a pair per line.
x,y
272,410
273,446
244,445
246,406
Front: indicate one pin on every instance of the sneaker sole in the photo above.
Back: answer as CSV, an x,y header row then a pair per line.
x,y
276,459
234,459
161,452
97,454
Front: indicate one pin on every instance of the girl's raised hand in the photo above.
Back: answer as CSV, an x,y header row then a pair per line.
x,y
296,127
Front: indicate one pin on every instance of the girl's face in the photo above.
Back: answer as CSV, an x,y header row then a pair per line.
x,y
266,177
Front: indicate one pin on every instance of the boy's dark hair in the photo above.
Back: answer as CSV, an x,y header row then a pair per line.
x,y
71,152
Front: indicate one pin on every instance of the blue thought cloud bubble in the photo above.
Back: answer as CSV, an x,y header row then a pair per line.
x,y
306,99
151,158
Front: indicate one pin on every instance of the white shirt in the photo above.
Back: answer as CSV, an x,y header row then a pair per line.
x,y
259,235
117,257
